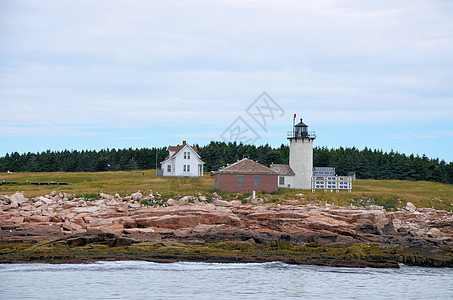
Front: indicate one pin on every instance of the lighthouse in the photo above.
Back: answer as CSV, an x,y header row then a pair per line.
x,y
301,155
299,173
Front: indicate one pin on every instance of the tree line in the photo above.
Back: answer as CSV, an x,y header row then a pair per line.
x,y
367,163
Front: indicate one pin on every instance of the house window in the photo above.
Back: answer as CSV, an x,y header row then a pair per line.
x,y
185,155
188,168
184,168
169,168
257,180
240,180
281,180
188,155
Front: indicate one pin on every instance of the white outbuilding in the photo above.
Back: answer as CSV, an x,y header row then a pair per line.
x,y
182,161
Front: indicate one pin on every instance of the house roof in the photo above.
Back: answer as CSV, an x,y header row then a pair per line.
x,y
177,149
283,169
246,166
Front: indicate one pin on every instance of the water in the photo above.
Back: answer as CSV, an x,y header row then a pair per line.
x,y
146,280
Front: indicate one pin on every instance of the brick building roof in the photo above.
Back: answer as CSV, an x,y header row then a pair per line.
x,y
246,166
283,169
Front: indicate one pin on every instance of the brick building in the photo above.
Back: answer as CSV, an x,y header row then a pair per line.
x,y
244,176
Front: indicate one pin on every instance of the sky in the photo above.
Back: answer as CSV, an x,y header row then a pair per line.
x,y
91,75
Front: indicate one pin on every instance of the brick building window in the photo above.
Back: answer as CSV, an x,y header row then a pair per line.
x,y
257,180
240,180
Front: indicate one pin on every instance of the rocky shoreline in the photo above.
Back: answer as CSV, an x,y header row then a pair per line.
x,y
63,228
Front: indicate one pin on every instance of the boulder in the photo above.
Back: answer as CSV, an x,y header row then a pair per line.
x,y
13,205
236,203
73,227
77,241
187,199
171,202
139,230
175,221
435,233
99,238
221,203
37,219
136,196
70,204
5,198
105,196
183,201
122,208
43,200
410,207
17,219
113,228
18,198
133,205
88,209
180,202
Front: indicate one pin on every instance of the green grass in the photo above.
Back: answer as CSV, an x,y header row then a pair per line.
x,y
388,193
121,182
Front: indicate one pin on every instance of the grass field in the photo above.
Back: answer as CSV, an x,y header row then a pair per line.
x,y
388,193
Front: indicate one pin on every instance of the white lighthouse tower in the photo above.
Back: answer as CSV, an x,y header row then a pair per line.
x,y
301,155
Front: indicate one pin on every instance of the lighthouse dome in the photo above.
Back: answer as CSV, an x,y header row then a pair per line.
x,y
301,124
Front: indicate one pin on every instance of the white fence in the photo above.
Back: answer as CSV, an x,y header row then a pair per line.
x,y
331,183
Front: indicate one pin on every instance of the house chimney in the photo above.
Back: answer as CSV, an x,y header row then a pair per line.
x,y
183,142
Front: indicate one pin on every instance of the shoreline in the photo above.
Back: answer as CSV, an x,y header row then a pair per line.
x,y
393,265
55,228
355,256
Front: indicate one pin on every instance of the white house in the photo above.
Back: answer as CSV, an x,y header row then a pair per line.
x,y
182,161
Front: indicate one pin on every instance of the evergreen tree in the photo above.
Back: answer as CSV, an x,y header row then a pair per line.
x,y
366,163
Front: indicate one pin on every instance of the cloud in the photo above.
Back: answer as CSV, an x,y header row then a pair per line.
x,y
140,64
